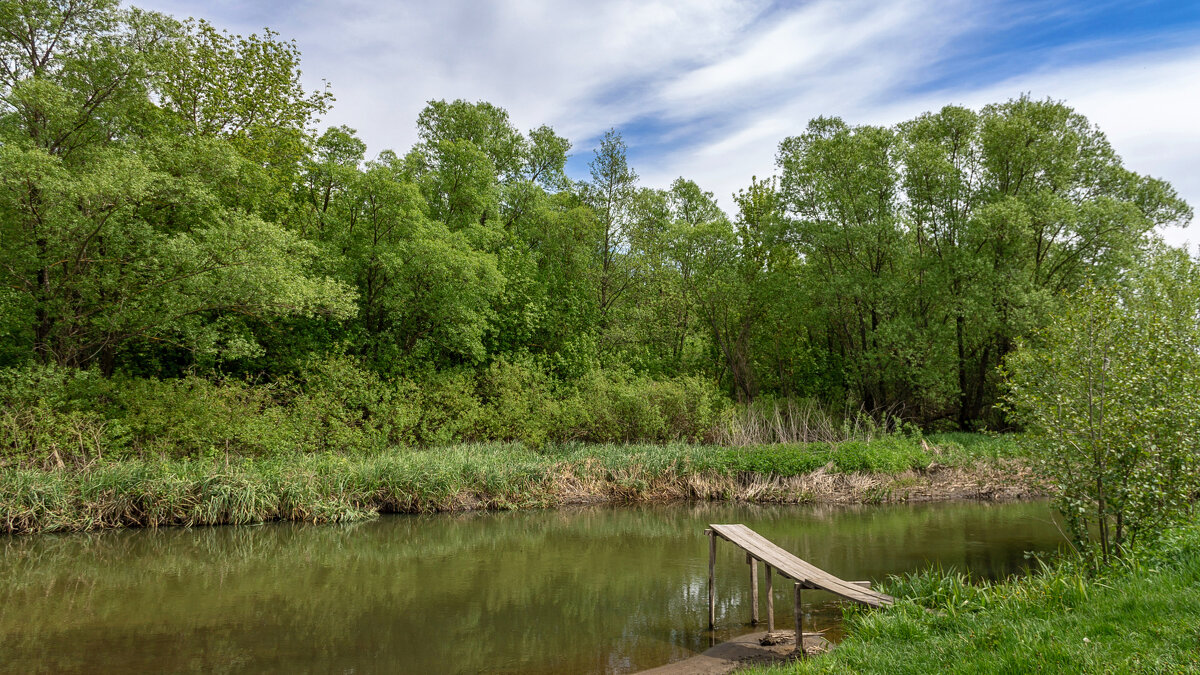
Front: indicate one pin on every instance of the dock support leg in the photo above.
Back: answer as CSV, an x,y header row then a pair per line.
x,y
770,598
753,589
799,623
712,588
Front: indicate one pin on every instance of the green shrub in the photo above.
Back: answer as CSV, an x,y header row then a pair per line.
x,y
53,416
618,407
195,416
44,418
518,403
885,454
340,406
449,409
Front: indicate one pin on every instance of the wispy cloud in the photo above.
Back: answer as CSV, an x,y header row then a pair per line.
x,y
707,89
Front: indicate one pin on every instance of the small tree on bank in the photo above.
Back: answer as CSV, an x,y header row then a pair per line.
x,y
1109,393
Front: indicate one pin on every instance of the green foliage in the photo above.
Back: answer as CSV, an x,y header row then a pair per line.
x,y
42,421
1110,392
889,454
932,246
117,230
55,415
1137,617
169,211
786,459
615,406
340,484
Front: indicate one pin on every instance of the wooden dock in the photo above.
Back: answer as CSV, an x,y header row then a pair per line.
x,y
805,576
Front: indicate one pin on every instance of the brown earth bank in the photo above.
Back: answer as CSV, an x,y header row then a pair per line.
x,y
117,496
1005,480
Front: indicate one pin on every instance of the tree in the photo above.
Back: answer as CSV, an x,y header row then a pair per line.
x,y
329,172
953,278
930,247
1058,210
492,186
839,184
115,231
246,90
424,290
745,270
1109,392
692,211
611,194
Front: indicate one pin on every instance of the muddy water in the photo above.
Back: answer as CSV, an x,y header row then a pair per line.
x,y
585,590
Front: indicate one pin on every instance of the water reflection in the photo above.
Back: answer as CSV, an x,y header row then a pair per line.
x,y
585,590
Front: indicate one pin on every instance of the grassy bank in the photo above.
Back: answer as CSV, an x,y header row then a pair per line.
x,y
326,487
1140,616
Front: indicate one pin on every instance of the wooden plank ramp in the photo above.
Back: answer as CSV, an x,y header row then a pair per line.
x,y
805,574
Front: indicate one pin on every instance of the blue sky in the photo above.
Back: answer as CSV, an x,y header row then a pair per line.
x,y
706,89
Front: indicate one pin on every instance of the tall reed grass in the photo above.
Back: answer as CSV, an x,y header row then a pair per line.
x,y
770,420
329,487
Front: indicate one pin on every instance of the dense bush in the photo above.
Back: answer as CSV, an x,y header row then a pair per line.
x,y
41,419
1110,395
616,406
55,415
888,454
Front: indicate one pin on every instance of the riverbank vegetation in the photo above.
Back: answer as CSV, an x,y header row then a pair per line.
x,y
182,242
213,310
329,487
1107,393
195,275
1110,394
1138,615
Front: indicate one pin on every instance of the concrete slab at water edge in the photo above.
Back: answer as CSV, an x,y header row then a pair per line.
x,y
743,651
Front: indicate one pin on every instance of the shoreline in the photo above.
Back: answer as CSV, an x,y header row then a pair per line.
x,y
740,652
329,488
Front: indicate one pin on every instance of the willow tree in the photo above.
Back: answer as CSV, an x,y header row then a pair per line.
x,y
929,248
840,186
114,229
744,271
1109,392
1011,208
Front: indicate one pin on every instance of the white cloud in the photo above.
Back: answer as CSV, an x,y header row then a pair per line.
x,y
1144,104
545,61
726,79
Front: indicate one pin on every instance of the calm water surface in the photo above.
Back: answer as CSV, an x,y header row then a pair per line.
x,y
587,590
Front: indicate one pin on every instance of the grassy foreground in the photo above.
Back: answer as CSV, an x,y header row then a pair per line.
x,y
1140,616
333,488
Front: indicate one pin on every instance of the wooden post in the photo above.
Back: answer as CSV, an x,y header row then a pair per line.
x,y
712,588
753,589
799,623
770,598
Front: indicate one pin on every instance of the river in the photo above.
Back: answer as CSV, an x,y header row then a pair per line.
x,y
576,590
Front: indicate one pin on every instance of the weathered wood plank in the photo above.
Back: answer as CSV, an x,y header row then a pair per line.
x,y
799,609
753,589
770,597
794,568
791,567
712,587
813,587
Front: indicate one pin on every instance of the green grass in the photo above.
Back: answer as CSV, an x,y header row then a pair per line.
x,y
332,488
1140,616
